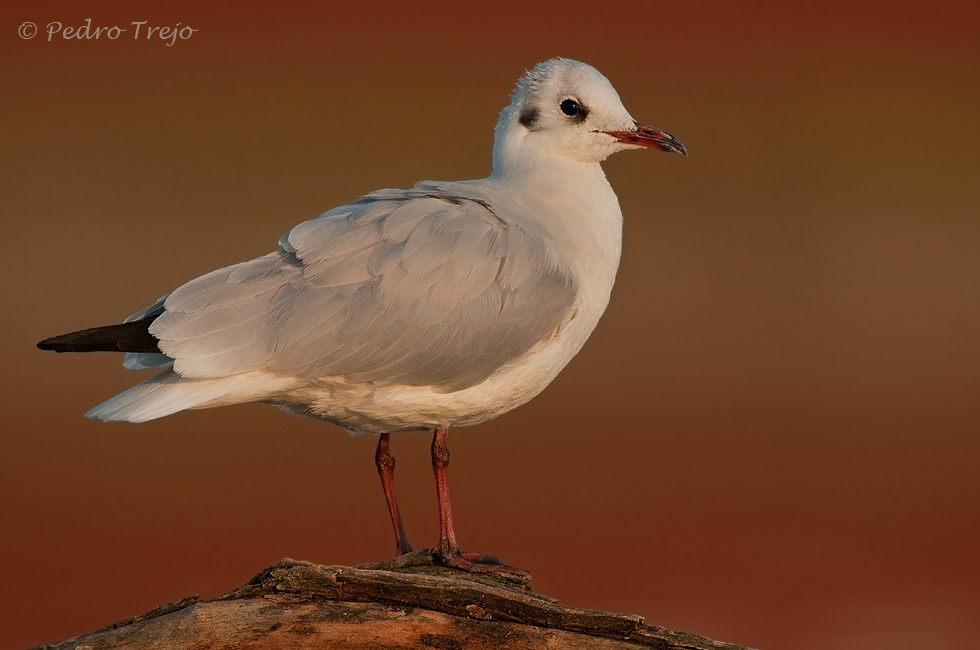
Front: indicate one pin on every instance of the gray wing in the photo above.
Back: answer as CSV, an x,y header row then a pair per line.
x,y
402,287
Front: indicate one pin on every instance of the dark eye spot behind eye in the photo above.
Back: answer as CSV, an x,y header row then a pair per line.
x,y
574,110
528,116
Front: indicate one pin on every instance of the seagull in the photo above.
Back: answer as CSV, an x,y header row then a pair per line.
x,y
440,306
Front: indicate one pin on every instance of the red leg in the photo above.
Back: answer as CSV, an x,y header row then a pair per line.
x,y
386,468
449,553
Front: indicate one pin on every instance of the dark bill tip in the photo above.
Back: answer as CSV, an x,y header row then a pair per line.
x,y
646,136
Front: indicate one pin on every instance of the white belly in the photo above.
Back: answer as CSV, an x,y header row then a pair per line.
x,y
369,409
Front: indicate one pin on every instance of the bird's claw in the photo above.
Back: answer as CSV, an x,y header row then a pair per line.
x,y
475,562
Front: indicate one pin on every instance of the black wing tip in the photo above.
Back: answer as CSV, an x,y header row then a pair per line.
x,y
71,343
54,344
124,337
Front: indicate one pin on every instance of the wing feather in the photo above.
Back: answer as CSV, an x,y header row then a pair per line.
x,y
418,287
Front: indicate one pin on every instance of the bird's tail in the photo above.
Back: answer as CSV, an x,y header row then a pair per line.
x,y
158,396
125,337
169,393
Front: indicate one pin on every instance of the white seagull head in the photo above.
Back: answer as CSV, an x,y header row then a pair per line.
x,y
568,112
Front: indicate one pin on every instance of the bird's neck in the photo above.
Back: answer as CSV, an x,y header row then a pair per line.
x,y
577,206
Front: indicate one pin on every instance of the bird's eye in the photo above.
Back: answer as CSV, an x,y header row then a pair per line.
x,y
570,107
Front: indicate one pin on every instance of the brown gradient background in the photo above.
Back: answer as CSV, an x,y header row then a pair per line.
x,y
772,437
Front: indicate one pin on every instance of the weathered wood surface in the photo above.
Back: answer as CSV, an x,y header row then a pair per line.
x,y
405,603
